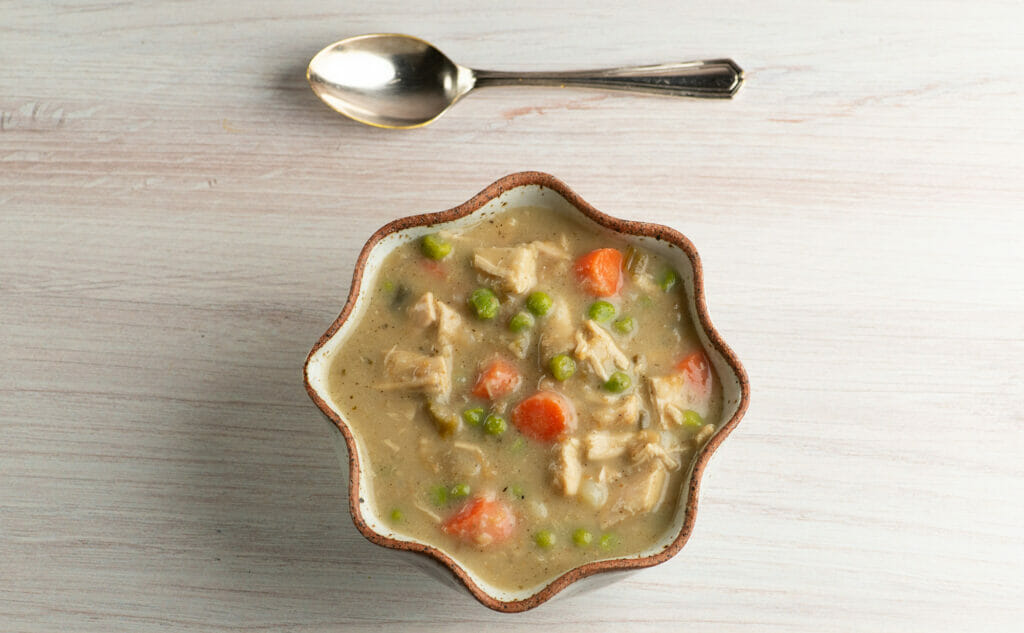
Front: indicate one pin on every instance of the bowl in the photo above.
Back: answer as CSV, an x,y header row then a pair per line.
x,y
523,189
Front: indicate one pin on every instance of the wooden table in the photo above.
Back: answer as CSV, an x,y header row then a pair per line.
x,y
178,221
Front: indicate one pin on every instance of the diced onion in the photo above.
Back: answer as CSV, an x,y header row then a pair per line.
x,y
539,509
593,493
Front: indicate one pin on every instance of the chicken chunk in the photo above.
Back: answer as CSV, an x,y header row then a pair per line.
x,y
410,370
556,333
520,346
514,267
703,435
671,396
641,446
648,447
604,445
423,313
429,310
567,469
449,323
636,493
621,412
595,347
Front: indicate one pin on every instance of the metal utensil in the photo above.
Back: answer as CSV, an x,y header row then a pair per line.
x,y
398,81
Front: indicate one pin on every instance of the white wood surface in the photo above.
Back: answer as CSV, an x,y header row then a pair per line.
x,y
178,221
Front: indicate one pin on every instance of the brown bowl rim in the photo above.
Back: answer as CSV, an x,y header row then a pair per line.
x,y
628,227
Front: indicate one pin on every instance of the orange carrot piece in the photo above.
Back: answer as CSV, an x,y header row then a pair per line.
x,y
483,520
697,368
600,272
545,416
497,380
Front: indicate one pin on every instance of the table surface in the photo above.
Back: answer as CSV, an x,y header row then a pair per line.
x,y
178,221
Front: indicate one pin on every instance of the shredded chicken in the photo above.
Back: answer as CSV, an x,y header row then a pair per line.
x,y
567,469
427,452
644,451
703,434
595,347
640,446
423,313
400,409
618,412
449,323
410,370
429,310
636,493
430,513
477,454
604,445
520,345
672,395
607,474
514,267
556,333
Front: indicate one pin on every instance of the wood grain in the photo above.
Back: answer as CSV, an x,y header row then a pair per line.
x,y
178,221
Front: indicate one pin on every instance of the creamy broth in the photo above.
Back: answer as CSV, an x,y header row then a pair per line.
x,y
436,376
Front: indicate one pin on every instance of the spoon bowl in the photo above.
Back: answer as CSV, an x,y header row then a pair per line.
x,y
398,81
387,80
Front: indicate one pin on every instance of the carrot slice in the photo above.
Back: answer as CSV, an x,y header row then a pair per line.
x,y
497,380
435,268
600,272
545,416
697,369
482,520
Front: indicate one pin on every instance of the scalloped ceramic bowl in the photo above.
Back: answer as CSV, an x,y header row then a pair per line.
x,y
522,189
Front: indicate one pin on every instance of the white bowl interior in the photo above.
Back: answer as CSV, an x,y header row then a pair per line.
x,y
526,195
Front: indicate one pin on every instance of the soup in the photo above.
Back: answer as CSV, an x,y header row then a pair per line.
x,y
530,393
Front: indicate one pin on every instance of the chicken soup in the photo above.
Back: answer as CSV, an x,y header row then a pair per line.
x,y
530,392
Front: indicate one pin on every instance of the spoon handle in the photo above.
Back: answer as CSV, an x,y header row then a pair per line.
x,y
716,78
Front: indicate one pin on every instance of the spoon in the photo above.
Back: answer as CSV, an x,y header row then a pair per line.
x,y
399,81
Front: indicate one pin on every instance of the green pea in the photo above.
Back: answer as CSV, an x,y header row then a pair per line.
x,y
434,247
438,495
520,321
608,541
544,539
460,490
582,537
517,491
692,419
668,279
388,286
625,325
618,382
484,303
538,303
473,417
397,515
562,367
601,311
518,445
495,425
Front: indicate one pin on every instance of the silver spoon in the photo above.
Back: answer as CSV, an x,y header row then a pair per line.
x,y
398,81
